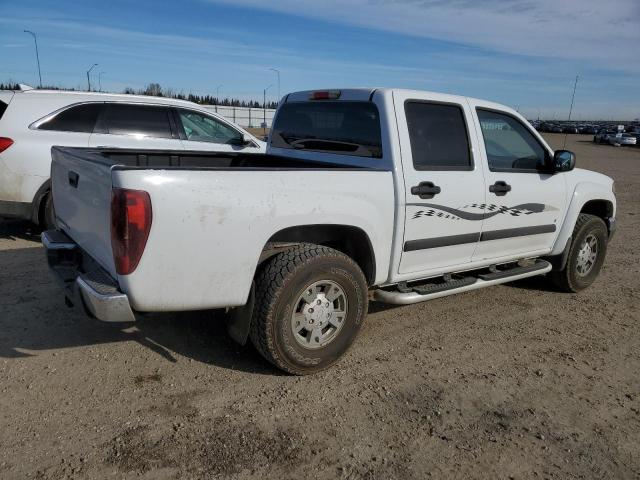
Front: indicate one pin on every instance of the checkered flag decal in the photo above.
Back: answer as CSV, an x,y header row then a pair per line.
x,y
516,212
433,213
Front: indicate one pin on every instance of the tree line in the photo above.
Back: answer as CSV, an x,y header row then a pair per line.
x,y
155,90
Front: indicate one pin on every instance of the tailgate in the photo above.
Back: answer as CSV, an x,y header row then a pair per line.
x,y
81,186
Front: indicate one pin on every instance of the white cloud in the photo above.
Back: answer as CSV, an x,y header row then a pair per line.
x,y
604,33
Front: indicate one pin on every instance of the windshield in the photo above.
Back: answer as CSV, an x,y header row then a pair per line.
x,y
348,128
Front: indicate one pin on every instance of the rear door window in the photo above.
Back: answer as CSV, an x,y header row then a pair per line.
x,y
143,120
342,127
438,134
79,118
3,108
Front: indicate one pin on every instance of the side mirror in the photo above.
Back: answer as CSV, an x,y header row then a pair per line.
x,y
242,140
563,161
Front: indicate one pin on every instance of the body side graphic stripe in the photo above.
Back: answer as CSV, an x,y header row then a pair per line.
x,y
426,243
531,207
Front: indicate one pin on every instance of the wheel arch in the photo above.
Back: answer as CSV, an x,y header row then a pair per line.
x,y
350,240
591,198
600,208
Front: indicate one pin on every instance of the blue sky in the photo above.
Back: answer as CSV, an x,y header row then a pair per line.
x,y
524,53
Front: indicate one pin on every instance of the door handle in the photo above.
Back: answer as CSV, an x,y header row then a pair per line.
x,y
73,179
500,188
425,190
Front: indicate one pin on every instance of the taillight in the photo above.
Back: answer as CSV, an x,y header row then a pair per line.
x,y
5,143
130,226
325,95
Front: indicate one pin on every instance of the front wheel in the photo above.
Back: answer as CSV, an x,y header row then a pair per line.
x,y
310,303
586,255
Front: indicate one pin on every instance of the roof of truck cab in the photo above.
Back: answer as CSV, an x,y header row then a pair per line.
x,y
367,93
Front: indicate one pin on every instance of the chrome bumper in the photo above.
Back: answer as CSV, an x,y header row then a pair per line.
x,y
84,281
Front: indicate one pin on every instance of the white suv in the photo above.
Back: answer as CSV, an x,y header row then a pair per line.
x,y
32,121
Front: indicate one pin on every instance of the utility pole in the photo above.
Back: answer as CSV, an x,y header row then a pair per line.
x,y
278,74
89,73
37,54
264,108
571,109
100,81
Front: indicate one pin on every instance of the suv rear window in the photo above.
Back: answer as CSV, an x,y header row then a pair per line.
x,y
3,108
149,121
80,118
347,128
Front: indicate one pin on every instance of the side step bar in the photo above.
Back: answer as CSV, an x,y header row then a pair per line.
x,y
407,295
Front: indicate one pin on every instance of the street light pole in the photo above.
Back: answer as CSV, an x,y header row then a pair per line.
x,y
264,109
100,81
278,74
89,73
37,55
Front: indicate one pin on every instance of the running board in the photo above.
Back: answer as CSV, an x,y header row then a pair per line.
x,y
408,295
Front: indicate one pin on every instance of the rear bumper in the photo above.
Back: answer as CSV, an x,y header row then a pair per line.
x,y
84,281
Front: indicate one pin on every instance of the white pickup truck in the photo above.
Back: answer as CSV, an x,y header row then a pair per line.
x,y
400,196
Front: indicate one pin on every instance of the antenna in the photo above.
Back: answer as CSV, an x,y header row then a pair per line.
x,y
564,144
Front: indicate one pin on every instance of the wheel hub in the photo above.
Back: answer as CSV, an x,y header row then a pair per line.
x,y
319,314
587,255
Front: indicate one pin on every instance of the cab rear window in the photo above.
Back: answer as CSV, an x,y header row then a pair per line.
x,y
341,127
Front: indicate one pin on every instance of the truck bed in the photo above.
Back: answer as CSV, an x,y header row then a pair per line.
x,y
212,215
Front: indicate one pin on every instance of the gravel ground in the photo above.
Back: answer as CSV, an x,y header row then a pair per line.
x,y
516,381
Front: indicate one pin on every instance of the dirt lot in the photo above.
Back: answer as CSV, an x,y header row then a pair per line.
x,y
517,381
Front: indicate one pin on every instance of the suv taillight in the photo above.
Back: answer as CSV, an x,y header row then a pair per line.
x,y
130,226
5,143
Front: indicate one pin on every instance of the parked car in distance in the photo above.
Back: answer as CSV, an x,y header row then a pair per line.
x,y
32,121
603,136
403,195
622,139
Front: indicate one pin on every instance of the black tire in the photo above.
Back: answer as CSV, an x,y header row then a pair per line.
x,y
47,215
279,284
569,278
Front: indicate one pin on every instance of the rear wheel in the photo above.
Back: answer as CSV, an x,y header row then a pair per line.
x,y
310,303
47,216
586,255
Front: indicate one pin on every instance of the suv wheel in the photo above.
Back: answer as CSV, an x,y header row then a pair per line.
x,y
47,215
310,304
586,255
